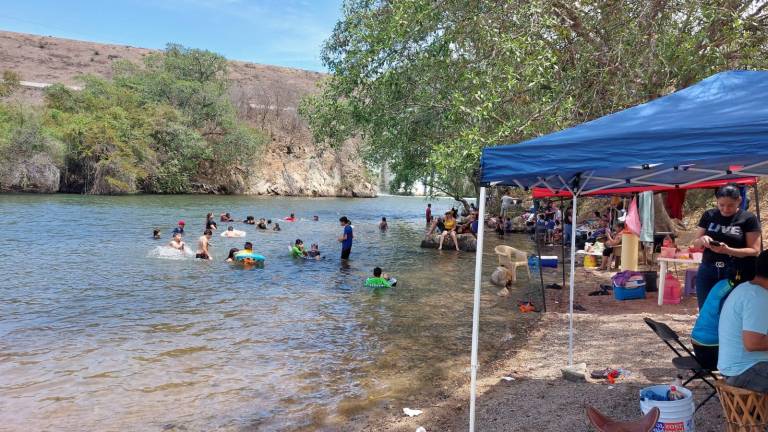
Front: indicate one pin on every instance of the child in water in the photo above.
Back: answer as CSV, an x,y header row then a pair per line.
x,y
380,280
156,234
314,251
276,227
231,256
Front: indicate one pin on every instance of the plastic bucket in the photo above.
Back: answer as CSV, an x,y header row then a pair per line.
x,y
590,261
674,416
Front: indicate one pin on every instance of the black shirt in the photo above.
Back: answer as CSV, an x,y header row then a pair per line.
x,y
730,230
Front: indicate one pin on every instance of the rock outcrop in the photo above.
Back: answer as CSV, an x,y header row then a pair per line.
x,y
266,96
35,174
467,242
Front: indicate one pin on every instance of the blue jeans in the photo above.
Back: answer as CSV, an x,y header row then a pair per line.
x,y
707,276
567,234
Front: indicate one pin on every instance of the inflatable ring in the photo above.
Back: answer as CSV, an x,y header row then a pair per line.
x,y
249,257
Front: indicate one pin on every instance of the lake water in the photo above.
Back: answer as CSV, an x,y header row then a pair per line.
x,y
97,332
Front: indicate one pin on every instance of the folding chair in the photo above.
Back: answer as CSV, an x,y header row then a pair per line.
x,y
685,362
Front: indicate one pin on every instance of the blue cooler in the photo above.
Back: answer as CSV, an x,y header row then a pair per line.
x,y
633,290
549,261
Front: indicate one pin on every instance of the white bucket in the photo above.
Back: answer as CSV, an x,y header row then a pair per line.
x,y
675,415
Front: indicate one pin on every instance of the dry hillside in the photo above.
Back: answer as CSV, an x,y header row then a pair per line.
x,y
265,95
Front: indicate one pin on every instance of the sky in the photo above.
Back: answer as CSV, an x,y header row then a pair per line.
x,y
277,32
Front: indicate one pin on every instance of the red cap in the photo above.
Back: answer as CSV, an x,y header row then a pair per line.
x,y
181,222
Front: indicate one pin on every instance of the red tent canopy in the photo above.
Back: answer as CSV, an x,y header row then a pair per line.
x,y
539,192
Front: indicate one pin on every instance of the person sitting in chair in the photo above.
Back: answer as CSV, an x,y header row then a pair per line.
x,y
612,241
743,332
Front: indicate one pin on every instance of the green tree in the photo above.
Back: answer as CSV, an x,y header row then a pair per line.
x,y
428,84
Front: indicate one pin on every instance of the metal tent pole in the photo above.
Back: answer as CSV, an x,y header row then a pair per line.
x,y
572,277
562,240
757,209
541,271
476,309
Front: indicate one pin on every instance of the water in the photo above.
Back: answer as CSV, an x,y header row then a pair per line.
x,y
99,332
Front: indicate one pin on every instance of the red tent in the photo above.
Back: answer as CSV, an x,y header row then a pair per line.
x,y
540,192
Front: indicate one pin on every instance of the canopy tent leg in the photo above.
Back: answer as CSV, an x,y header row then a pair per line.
x,y
562,240
476,308
541,271
757,209
572,277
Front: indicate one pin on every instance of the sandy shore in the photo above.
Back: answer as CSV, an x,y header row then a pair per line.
x,y
608,333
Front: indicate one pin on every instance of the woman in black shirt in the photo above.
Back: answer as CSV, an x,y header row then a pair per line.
x,y
731,240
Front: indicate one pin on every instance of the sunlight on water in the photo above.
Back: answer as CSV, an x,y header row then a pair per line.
x,y
104,328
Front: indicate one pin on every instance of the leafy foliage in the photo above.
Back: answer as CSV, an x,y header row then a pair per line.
x,y
427,84
155,127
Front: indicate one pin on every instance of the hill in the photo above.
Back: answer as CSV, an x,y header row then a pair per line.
x,y
266,96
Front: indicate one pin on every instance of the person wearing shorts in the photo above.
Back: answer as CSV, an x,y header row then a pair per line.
x,y
346,237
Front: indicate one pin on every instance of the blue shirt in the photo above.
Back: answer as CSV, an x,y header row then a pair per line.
x,y
705,330
178,230
744,309
346,244
550,224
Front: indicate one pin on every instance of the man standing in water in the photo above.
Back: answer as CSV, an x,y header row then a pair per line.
x,y
346,238
202,245
176,242
428,214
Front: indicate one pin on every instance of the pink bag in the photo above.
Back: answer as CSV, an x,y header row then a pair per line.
x,y
633,218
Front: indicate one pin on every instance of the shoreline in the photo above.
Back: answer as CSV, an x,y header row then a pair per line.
x,y
608,334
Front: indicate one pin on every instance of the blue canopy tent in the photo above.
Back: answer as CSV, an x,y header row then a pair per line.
x,y
715,129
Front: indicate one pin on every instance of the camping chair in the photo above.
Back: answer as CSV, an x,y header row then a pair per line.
x,y
604,424
685,362
512,258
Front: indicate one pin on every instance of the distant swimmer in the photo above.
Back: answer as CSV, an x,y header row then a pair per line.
x,y
262,224
226,217
176,242
297,250
156,234
210,224
202,245
250,220
380,280
383,224
231,256
291,218
232,232
179,228
315,218
314,251
276,227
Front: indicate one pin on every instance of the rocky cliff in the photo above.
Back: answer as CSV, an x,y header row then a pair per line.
x,y
266,96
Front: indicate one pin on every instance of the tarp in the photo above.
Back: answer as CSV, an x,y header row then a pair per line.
x,y
717,128
542,192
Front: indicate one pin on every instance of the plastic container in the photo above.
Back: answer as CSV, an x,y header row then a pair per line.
x,y
549,261
697,256
590,261
621,293
672,290
668,252
674,415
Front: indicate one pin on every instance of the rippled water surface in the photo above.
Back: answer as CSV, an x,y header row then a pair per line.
x,y
99,333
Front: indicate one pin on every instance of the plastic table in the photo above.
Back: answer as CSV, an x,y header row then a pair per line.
x,y
663,264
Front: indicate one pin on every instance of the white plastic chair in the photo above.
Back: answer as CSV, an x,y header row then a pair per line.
x,y
511,259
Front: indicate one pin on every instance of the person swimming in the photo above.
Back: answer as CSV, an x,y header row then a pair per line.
x,y
315,218
176,242
231,256
383,226
262,224
380,280
179,228
232,232
202,245
297,250
276,227
291,218
314,251
225,217
250,220
156,234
